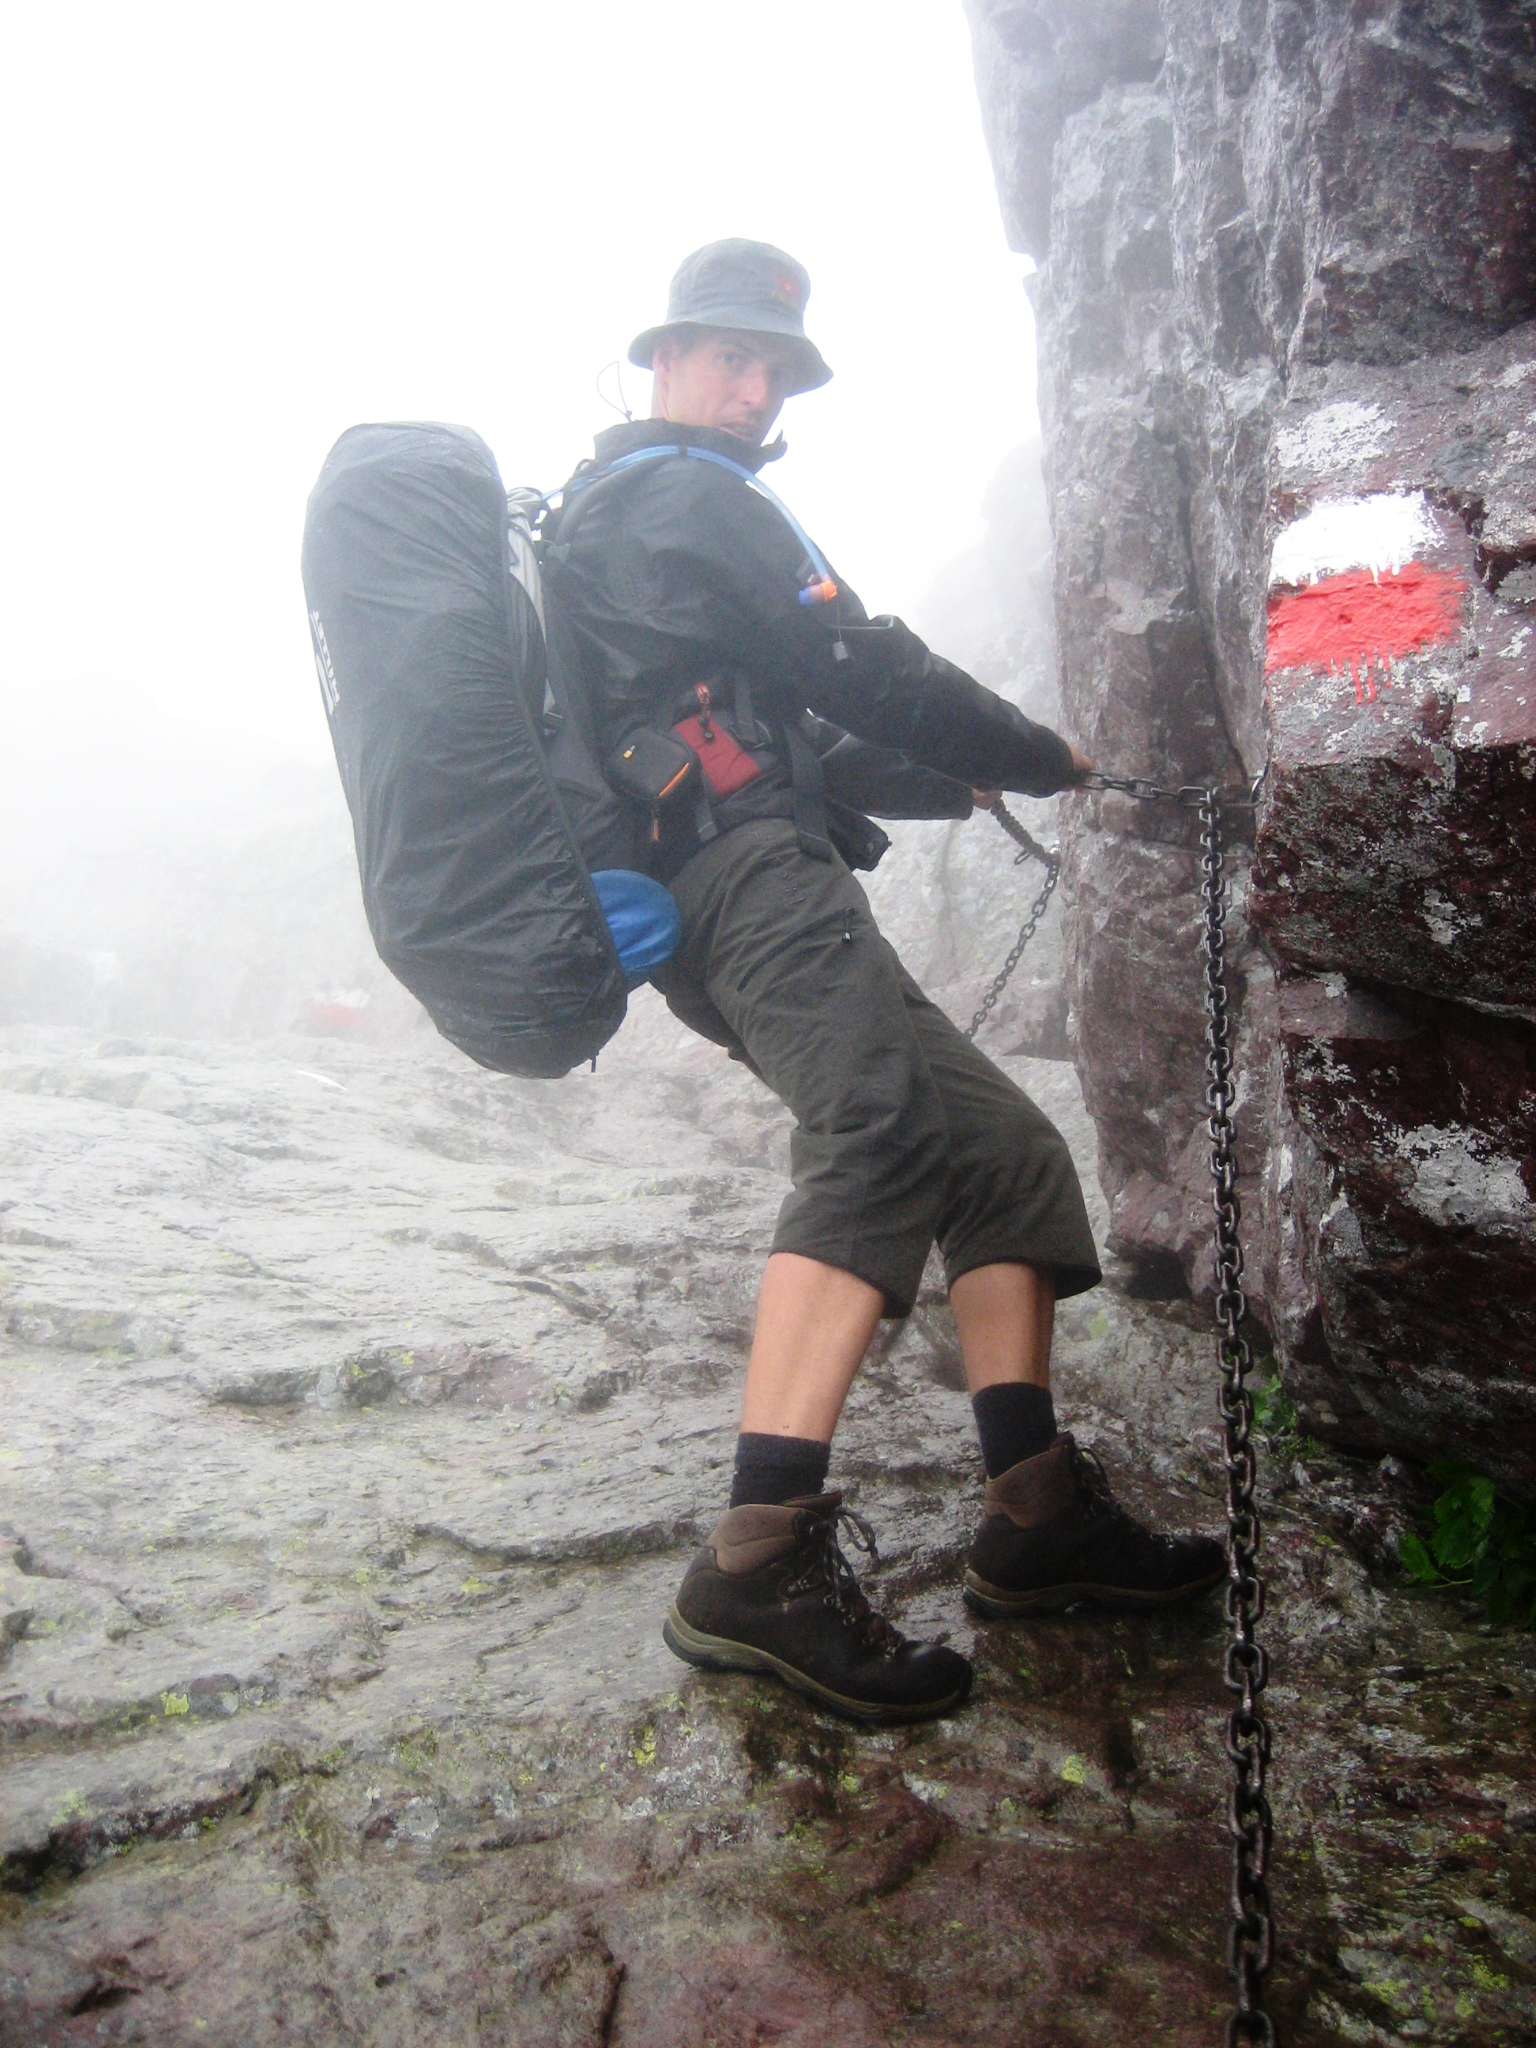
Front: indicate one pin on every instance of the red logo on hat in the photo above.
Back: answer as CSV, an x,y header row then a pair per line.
x,y
788,288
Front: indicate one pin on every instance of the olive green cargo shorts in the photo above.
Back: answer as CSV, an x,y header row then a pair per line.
x,y
904,1133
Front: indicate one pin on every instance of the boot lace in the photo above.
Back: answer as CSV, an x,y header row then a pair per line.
x,y
1094,1481
824,1568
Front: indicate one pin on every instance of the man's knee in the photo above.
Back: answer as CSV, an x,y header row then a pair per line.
x,y
1015,1198
869,1191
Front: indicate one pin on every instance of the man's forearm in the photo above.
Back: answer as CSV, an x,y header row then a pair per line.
x,y
887,785
894,692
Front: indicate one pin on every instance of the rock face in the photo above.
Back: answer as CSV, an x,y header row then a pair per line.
x,y
1288,370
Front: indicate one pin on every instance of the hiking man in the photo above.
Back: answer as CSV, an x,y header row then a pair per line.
x,y
754,713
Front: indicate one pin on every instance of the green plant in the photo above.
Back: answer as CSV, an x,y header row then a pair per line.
x,y
1274,1414
1273,1409
1482,1542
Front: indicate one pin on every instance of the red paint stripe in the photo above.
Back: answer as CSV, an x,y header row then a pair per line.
x,y
1362,622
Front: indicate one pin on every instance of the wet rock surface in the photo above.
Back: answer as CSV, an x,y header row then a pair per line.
x,y
1281,320
1399,1175
361,1410
1406,786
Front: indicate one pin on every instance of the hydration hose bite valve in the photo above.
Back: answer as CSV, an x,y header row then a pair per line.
x,y
819,588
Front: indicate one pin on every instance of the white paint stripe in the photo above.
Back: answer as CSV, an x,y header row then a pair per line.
x,y
1376,533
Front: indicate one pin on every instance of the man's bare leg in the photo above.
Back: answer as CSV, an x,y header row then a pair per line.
x,y
1052,1535
814,1324
771,1591
1005,1315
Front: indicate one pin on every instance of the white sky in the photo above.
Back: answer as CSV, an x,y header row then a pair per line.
x,y
230,233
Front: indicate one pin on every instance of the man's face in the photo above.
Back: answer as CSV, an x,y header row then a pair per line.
x,y
736,382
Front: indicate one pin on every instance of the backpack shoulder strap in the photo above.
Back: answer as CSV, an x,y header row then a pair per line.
x,y
817,585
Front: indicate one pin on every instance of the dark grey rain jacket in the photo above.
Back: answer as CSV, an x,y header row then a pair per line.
x,y
675,572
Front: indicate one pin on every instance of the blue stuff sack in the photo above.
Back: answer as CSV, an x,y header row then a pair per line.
x,y
642,917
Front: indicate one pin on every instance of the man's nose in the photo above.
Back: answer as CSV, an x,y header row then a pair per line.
x,y
754,386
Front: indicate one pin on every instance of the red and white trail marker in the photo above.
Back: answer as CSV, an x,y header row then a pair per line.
x,y
1347,591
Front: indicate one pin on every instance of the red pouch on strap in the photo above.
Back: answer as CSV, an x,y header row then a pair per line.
x,y
727,766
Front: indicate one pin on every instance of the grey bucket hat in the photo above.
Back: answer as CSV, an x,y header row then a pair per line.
x,y
749,287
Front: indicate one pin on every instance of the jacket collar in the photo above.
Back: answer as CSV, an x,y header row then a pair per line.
x,y
615,441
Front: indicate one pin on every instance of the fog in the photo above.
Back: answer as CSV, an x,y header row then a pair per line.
x,y
232,235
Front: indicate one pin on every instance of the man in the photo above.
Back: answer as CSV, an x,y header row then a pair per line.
x,y
752,711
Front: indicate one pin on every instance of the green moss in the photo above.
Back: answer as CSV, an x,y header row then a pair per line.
x,y
415,1751
1389,1993
642,1748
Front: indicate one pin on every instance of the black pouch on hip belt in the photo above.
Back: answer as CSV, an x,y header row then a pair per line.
x,y
656,768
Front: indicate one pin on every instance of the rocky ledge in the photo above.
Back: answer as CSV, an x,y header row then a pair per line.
x,y
360,1412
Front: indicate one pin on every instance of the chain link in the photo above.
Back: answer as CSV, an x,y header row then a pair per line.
x,y
1028,845
1028,848
1250,1940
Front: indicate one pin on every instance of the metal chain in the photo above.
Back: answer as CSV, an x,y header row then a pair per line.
x,y
1028,848
1028,845
1189,798
1250,1940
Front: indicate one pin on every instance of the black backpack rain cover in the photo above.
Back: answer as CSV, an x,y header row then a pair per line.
x,y
475,891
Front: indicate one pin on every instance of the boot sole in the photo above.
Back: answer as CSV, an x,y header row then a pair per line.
x,y
719,1653
997,1604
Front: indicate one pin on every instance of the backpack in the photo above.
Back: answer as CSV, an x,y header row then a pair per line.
x,y
487,839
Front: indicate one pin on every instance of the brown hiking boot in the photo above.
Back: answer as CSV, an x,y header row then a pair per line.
x,y
771,1591
1054,1535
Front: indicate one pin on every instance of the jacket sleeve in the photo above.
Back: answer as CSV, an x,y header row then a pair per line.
x,y
697,569
882,782
894,691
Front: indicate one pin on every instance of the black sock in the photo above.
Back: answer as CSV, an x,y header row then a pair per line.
x,y
771,1469
1014,1422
